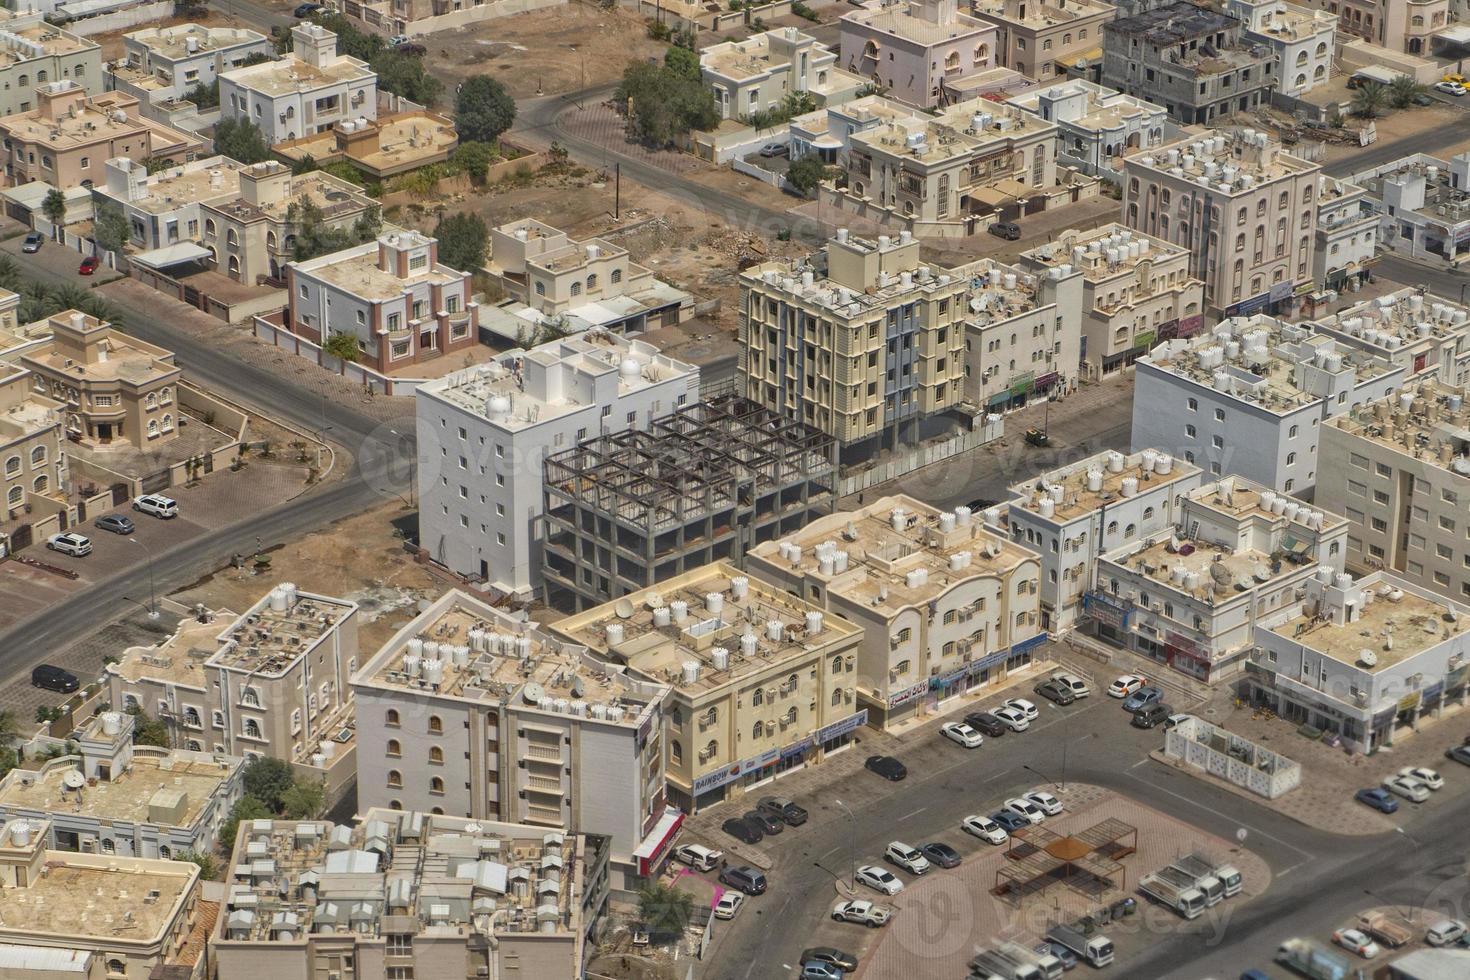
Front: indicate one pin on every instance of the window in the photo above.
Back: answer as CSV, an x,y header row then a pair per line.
x,y
394,750
436,756
395,779
390,718
436,725
436,785
1219,415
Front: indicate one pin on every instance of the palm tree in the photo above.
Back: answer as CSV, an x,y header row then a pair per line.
x,y
53,206
1369,100
1403,90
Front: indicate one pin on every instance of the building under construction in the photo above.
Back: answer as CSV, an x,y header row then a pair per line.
x,y
628,509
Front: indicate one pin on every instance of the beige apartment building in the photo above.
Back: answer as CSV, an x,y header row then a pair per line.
x,y
253,236
1136,290
1033,35
32,461
96,916
115,388
1399,25
763,682
471,711
864,353
1243,207
162,64
756,74
34,52
944,604
1399,470
404,895
918,51
1425,335
68,137
272,682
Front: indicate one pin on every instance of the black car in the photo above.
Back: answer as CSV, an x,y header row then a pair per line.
x,y
986,723
941,854
783,809
116,523
1055,691
887,766
305,10
410,48
743,830
1151,715
1008,230
52,678
770,824
828,954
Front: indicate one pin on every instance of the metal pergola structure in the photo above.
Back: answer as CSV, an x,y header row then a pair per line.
x,y
1087,862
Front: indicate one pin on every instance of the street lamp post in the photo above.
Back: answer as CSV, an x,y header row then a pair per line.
x,y
1038,772
851,844
152,593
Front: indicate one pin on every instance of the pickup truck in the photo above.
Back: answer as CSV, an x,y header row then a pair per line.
x,y
1384,929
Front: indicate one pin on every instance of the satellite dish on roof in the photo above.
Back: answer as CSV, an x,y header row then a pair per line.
x,y
73,779
533,693
623,608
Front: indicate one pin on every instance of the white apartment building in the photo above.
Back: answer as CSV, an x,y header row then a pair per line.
x,y
308,91
917,51
1136,291
161,64
484,431
1347,235
1243,207
1023,333
945,604
1371,659
1237,556
1096,125
1250,398
470,711
34,52
762,683
1302,40
1072,515
1421,333
1423,205
1400,470
756,74
162,208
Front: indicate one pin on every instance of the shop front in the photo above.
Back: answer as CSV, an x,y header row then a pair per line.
x,y
1109,617
747,774
653,851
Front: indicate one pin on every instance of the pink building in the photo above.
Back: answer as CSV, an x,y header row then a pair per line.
x,y
918,51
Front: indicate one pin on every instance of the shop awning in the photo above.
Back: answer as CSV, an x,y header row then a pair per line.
x,y
650,853
175,254
1454,35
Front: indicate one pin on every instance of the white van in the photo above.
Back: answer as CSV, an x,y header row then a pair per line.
x,y
157,504
1445,932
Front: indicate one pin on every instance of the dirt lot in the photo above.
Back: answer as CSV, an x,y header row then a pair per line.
x,y
359,558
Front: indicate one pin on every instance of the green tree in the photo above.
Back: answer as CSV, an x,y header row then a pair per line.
x,y
110,228
305,800
1369,101
242,140
208,864
305,165
342,346
1403,90
665,909
474,159
267,780
245,808
683,61
464,240
314,236
204,96
9,727
664,104
405,75
148,731
8,760
53,206
806,173
483,109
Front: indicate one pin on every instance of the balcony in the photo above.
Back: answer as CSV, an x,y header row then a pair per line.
x,y
543,751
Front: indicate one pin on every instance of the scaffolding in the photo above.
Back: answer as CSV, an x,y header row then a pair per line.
x,y
706,483
1086,862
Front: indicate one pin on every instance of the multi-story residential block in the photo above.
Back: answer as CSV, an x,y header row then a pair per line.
x,y
865,353
945,605
917,50
393,297
1074,514
112,797
308,91
96,915
1032,35
706,483
114,387
435,896
1096,125
756,74
253,235
1192,595
484,432
1302,40
1193,61
575,285
163,208
1347,235
473,712
378,148
68,137
161,64
34,53
762,682
1136,291
1371,659
1243,207
273,682
1023,333
1251,396
1422,334
1400,470
1423,205
1399,25
32,461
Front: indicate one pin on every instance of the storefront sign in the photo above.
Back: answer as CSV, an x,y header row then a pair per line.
x,y
1189,325
718,778
907,694
655,847
1180,644
1246,307
840,728
1027,645
1106,609
1023,384
1456,677
796,748
1409,702
1047,380
1146,340
766,758
1281,290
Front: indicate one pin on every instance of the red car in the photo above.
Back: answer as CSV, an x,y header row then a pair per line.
x,y
89,265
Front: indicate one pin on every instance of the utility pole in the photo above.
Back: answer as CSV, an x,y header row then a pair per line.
x,y
618,193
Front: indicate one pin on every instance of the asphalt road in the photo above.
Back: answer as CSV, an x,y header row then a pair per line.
x,y
1448,283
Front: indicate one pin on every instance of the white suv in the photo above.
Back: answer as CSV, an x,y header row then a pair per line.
x,y
157,504
911,859
70,544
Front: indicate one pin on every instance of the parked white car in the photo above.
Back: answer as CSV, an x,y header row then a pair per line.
x,y
729,904
1047,803
1077,685
1125,685
1445,932
67,543
157,504
985,829
1425,775
1357,941
961,734
879,879
1408,787
1024,808
1026,708
698,856
911,859
1012,719
863,911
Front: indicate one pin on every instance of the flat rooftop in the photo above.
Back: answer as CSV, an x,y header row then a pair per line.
x,y
288,75
1404,318
356,271
179,659
752,57
174,42
1415,622
1041,15
574,255
124,901
128,796
1104,252
335,196
403,138
133,361
178,186
1095,482
1289,22
1236,497
1221,160
279,629
51,41
1434,427
1172,24
1207,572
965,129
89,123
1104,109
897,21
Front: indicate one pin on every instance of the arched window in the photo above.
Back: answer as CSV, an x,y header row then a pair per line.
x,y
982,53
836,665
395,779
436,725
168,422
540,288
117,966
616,276
270,239
209,228
1301,59
836,696
591,281
152,427
395,750
438,811
151,401
234,265
436,756
230,237
576,289
755,730
41,77
252,728
1301,79
436,786
12,466
38,456
14,496
391,717
107,845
